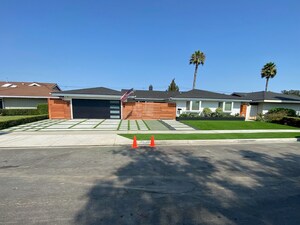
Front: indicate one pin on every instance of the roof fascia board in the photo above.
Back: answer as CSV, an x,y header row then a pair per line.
x,y
9,96
281,101
87,96
161,99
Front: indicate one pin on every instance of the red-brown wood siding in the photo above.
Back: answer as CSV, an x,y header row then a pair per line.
x,y
59,109
148,110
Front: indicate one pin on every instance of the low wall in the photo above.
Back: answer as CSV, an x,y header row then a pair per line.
x,y
148,110
59,109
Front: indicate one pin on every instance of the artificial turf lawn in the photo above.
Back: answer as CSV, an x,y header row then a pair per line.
x,y
6,118
233,125
212,136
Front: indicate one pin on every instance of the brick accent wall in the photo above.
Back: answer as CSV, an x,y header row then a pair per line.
x,y
148,110
59,109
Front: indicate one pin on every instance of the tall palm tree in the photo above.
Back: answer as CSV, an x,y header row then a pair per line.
x,y
268,71
197,58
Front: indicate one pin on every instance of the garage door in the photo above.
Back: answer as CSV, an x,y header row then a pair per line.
x,y
95,109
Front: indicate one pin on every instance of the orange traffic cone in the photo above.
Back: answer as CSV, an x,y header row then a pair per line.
x,y
134,144
152,143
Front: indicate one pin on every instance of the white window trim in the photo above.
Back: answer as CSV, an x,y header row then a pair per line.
x,y
71,108
227,110
191,104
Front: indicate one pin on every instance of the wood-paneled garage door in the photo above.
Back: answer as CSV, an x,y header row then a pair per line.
x,y
96,109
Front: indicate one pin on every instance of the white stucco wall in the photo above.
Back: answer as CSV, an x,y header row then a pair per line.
x,y
213,105
236,108
210,104
22,103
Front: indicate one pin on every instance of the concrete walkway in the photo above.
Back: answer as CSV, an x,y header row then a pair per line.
x,y
176,125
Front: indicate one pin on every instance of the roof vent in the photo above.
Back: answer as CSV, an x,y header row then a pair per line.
x,y
6,85
34,85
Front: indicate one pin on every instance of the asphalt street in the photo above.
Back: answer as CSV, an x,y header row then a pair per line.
x,y
229,184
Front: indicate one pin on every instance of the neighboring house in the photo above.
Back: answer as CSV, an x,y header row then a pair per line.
x,y
195,101
262,102
105,103
25,95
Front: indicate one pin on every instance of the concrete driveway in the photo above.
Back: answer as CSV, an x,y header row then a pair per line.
x,y
100,125
239,184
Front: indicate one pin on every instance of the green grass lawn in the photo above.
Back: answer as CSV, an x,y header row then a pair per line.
x,y
6,118
233,125
212,136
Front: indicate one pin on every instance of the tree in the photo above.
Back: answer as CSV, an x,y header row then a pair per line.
x,y
150,87
291,92
197,58
268,71
173,86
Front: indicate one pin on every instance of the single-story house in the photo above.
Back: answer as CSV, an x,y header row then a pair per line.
x,y
194,101
262,102
105,103
25,95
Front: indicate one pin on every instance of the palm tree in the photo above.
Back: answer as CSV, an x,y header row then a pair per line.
x,y
197,58
268,71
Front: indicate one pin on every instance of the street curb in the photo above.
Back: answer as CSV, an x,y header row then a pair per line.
x,y
161,143
220,141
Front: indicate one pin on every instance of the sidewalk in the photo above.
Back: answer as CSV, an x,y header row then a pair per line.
x,y
61,139
97,138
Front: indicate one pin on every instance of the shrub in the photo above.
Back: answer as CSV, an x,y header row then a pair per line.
x,y
260,117
275,116
183,115
17,112
218,113
190,114
193,114
206,112
42,108
291,121
15,122
289,112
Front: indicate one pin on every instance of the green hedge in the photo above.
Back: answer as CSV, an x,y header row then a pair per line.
x,y
19,112
41,109
11,123
291,121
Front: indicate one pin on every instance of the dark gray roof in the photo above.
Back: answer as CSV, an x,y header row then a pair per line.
x,y
90,91
196,93
262,95
152,95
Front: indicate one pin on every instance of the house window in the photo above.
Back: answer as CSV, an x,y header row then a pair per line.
x,y
1,104
227,106
195,105
188,105
220,105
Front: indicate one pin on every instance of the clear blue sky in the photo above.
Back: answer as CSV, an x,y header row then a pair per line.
x,y
135,43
